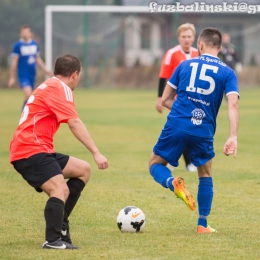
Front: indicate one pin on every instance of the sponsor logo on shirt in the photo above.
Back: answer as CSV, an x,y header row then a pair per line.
x,y
28,50
199,100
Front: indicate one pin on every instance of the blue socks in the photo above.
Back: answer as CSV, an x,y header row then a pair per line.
x,y
204,197
162,175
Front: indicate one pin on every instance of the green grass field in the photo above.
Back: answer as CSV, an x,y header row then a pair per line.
x,y
125,126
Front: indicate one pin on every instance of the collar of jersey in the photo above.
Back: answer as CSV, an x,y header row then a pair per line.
x,y
210,55
22,40
60,81
190,50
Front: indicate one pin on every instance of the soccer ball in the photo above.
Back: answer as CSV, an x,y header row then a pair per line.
x,y
131,219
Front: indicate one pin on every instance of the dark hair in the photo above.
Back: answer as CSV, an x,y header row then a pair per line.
x,y
211,37
67,65
24,26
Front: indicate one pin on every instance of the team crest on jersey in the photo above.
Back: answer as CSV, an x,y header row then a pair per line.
x,y
197,116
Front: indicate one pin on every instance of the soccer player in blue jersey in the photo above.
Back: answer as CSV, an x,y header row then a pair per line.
x,y
199,84
25,58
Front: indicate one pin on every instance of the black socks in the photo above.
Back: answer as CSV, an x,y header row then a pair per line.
x,y
56,212
75,186
53,213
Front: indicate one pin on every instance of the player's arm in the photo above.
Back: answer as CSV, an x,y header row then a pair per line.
x,y
165,73
13,68
233,117
41,64
168,96
80,131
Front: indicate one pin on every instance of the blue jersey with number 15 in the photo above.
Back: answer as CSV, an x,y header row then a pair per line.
x,y
200,83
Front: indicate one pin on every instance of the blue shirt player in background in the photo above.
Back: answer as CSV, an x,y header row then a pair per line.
x,y
199,84
25,58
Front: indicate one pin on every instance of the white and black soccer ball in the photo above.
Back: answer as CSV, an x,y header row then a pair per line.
x,y
131,219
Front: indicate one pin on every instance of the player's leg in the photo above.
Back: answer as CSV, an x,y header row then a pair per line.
x,y
159,171
78,173
44,173
168,149
165,152
201,153
163,176
189,166
205,197
58,192
27,86
27,91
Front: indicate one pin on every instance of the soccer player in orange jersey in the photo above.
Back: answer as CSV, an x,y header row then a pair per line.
x,y
33,156
172,58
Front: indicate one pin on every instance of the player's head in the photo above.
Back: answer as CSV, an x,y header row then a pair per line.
x,y
186,35
25,32
210,39
68,67
225,38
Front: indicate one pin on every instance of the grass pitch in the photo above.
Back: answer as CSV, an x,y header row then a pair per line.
x,y
125,125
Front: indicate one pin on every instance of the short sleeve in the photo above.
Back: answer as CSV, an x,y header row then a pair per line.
x,y
165,71
174,80
231,84
16,50
61,102
166,67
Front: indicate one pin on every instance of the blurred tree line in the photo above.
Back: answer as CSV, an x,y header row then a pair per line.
x,y
14,13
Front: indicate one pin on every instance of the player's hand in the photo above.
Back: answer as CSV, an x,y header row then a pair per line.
x,y
158,105
11,82
101,161
230,146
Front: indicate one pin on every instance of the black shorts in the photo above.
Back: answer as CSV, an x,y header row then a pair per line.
x,y
39,168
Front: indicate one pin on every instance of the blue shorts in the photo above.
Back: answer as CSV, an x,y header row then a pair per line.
x,y
172,142
27,81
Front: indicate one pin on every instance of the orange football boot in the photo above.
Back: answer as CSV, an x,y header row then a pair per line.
x,y
203,230
181,192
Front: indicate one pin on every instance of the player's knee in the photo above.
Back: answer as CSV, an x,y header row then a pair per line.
x,y
65,191
60,191
75,185
152,160
27,92
204,172
152,164
152,168
86,171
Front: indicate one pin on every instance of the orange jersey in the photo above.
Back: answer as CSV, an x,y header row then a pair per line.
x,y
49,105
172,58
